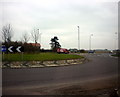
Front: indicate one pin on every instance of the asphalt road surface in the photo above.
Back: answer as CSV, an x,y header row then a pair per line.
x,y
99,66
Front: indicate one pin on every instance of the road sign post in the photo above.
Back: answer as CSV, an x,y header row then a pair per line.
x,y
3,49
20,49
22,56
3,55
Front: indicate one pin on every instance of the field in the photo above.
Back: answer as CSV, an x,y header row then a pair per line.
x,y
38,57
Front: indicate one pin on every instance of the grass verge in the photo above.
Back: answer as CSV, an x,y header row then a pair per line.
x,y
116,55
38,57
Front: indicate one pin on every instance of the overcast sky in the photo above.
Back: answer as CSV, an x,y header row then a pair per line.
x,y
60,18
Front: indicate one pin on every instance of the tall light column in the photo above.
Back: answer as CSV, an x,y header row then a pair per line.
x,y
90,41
40,35
78,38
116,40
36,35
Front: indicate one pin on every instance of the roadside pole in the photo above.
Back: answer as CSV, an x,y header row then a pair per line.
x,y
22,56
3,56
78,38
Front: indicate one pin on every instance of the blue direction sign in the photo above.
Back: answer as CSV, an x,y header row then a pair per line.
x,y
4,49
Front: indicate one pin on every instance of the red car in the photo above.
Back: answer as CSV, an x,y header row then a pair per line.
x,y
62,50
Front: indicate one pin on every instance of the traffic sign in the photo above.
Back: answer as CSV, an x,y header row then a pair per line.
x,y
3,49
10,49
16,49
20,48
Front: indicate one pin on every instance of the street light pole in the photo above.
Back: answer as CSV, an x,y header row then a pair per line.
x,y
38,30
78,38
116,40
37,34
40,35
90,41
40,38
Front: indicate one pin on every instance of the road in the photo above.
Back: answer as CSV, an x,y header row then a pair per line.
x,y
99,65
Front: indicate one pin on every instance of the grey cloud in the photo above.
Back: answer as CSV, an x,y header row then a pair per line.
x,y
62,18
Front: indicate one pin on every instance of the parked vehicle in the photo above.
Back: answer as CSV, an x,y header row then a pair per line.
x,y
62,50
73,50
91,51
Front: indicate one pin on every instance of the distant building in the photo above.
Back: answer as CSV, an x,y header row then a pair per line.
x,y
35,45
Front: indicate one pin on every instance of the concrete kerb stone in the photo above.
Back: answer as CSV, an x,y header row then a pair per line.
x,y
50,63
62,62
38,64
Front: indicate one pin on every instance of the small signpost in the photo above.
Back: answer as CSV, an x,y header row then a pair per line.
x,y
3,49
20,49
13,49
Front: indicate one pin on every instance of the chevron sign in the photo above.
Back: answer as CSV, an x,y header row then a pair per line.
x,y
16,49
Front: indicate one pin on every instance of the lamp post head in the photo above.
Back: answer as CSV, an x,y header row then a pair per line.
x,y
91,34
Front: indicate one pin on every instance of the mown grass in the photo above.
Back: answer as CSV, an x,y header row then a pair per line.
x,y
116,55
38,57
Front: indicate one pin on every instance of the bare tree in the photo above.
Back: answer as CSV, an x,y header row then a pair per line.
x,y
35,35
7,33
25,38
